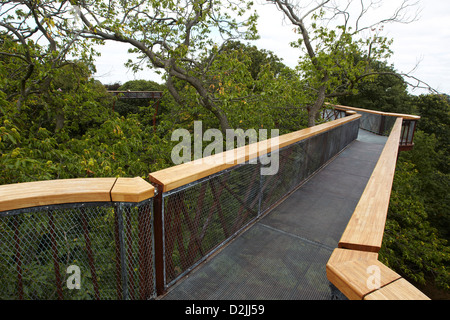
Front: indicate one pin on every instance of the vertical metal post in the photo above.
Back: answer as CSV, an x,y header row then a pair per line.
x,y
18,258
159,240
382,125
55,256
89,253
122,253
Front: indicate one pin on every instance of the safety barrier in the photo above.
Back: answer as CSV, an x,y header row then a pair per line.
x,y
123,238
119,238
381,123
354,267
77,239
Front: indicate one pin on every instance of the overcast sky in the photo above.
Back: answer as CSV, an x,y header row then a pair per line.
x,y
426,41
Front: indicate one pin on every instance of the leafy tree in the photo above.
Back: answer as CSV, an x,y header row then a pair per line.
x,y
384,92
328,67
170,35
411,246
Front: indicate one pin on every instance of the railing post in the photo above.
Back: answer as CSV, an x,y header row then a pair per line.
x,y
382,125
159,240
55,256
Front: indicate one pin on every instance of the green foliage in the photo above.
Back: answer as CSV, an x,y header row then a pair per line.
x,y
384,92
411,246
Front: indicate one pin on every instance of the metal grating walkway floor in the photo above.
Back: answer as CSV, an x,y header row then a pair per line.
x,y
283,256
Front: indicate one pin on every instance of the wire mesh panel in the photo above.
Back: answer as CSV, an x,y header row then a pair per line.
x,y
77,251
371,122
200,216
299,161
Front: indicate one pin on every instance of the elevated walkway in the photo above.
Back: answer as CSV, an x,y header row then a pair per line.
x,y
283,256
220,228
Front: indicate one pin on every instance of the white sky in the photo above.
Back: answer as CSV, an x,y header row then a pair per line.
x,y
426,41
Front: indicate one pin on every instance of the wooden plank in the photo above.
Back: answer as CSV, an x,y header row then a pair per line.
x,y
182,174
366,227
397,290
41,193
132,190
353,272
342,255
355,278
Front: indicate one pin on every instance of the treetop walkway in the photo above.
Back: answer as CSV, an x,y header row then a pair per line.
x,y
219,230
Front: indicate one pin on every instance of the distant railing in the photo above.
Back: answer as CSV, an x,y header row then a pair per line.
x,y
381,123
122,239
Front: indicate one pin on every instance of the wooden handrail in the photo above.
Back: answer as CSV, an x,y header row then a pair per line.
x,y
360,276
349,267
177,176
42,193
366,227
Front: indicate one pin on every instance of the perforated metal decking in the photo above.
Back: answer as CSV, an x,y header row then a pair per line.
x,y
283,256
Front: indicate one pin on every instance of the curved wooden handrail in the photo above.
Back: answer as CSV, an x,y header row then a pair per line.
x,y
43,193
177,176
360,276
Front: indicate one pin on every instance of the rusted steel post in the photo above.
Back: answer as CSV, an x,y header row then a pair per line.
x,y
89,253
18,259
159,240
145,253
55,256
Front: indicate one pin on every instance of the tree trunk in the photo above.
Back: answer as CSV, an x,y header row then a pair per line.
x,y
314,110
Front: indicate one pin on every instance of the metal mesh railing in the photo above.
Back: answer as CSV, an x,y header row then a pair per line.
x,y
77,251
378,123
201,216
110,250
